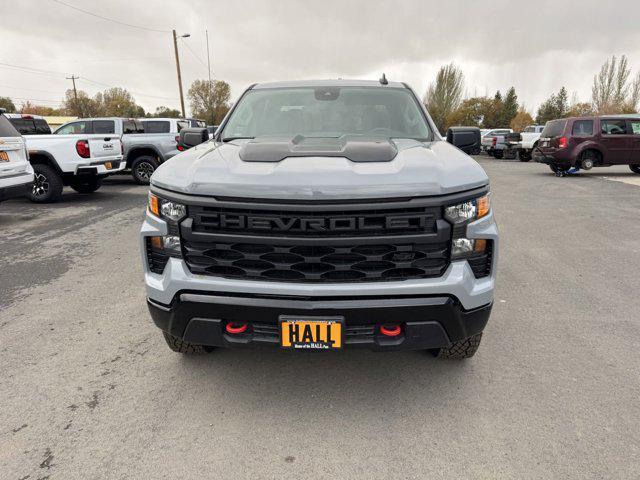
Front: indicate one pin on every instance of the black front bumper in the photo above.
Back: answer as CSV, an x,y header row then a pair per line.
x,y
427,322
15,191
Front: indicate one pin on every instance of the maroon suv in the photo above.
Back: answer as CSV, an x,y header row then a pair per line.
x,y
587,142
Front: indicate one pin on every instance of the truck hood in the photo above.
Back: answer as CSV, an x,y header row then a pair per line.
x,y
417,169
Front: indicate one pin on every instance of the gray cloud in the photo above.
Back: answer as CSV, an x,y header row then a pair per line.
x,y
535,46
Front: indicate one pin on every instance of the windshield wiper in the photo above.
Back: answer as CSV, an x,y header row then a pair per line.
x,y
230,139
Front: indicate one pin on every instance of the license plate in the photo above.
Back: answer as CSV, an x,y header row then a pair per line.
x,y
311,333
4,157
108,166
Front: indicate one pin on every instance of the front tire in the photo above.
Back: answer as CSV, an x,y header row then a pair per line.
x,y
499,154
524,156
635,168
142,168
47,185
88,187
178,345
461,349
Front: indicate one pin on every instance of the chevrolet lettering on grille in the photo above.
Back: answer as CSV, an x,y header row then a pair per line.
x,y
317,224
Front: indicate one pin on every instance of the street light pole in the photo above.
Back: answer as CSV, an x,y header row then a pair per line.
x,y
175,47
208,58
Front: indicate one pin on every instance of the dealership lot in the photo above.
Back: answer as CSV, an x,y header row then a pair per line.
x,y
88,389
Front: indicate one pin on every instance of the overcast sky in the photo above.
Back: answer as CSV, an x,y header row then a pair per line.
x,y
536,46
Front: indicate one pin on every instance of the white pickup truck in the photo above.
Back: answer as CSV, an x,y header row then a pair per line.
x,y
147,142
524,143
80,161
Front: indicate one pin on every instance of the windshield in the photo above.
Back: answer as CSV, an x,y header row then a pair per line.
x,y
553,129
328,112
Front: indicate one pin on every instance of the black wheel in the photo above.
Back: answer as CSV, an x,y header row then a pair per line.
x,y
557,169
142,169
589,159
47,185
498,154
635,168
88,187
490,153
524,156
466,348
180,346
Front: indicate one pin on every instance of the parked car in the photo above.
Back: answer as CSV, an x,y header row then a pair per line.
x,y
466,138
28,124
493,141
523,144
296,229
78,160
143,152
163,125
212,130
196,123
16,173
587,142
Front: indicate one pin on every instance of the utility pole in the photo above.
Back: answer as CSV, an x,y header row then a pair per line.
x,y
73,78
208,59
175,47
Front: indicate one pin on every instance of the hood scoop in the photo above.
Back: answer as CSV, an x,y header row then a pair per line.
x,y
354,147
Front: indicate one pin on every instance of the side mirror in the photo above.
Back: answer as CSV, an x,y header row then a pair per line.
x,y
466,139
190,137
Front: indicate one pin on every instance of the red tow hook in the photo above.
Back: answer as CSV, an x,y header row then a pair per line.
x,y
233,328
390,330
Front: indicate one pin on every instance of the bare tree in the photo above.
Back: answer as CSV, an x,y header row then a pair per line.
x,y
444,95
634,95
610,91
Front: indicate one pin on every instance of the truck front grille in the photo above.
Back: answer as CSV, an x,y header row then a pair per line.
x,y
318,263
376,241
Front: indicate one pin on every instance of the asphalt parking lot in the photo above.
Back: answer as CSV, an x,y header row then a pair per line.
x,y
89,390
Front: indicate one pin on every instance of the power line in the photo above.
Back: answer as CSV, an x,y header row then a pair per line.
x,y
28,89
36,99
51,73
110,19
100,84
194,54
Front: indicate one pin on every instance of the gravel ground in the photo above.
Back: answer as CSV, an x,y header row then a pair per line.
x,y
88,389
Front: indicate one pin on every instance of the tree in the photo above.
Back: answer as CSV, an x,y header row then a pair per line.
x,y
471,112
444,95
83,106
209,100
611,91
556,106
165,112
28,107
509,107
494,113
521,120
7,104
118,102
581,109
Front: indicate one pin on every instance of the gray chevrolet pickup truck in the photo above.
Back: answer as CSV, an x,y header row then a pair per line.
x,y
323,215
146,142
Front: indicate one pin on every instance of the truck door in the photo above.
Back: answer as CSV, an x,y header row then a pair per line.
x,y
616,140
634,129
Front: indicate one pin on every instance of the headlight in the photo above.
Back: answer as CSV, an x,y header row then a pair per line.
x,y
460,215
166,209
160,248
468,211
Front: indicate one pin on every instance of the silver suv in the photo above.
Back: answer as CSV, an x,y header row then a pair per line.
x,y
323,215
16,173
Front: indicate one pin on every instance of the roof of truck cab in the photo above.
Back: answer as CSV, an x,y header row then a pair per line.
x,y
328,83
